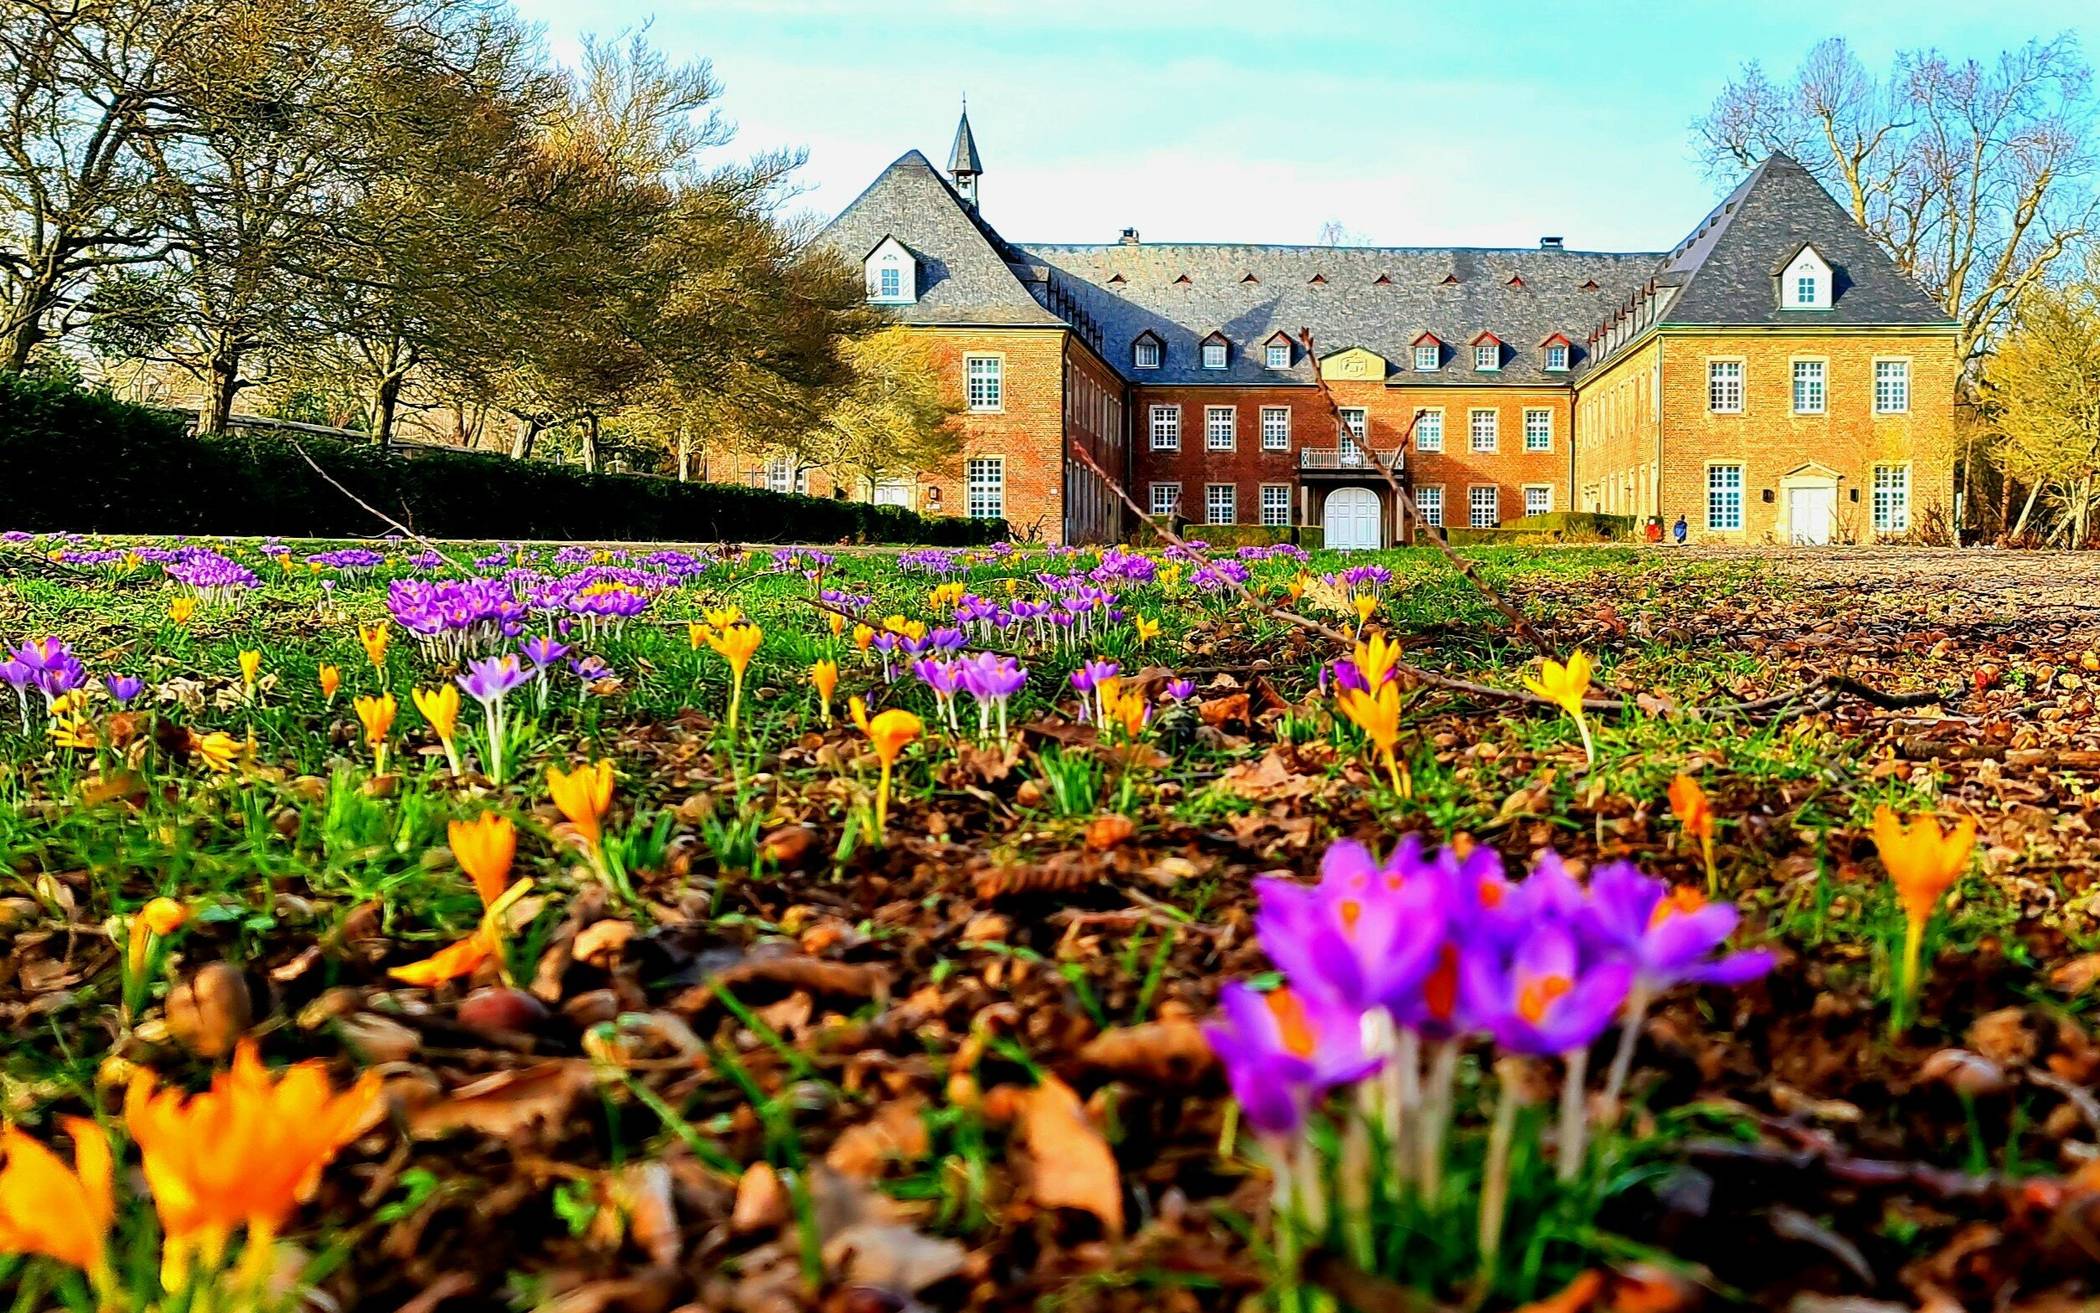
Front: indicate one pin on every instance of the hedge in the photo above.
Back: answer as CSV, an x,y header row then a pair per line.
x,y
85,462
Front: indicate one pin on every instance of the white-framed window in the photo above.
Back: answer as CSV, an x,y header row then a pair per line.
x,y
1891,387
1487,356
1166,498
1805,289
1221,503
1808,387
1355,423
1482,425
1724,498
1166,428
785,474
1429,431
1214,355
1428,356
889,282
1892,499
1275,428
891,273
1221,428
985,379
1724,387
1275,503
1144,353
1279,356
1557,357
1484,506
1430,502
985,487
1538,430
1808,284
1538,499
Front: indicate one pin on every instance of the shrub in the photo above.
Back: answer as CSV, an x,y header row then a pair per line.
x,y
86,462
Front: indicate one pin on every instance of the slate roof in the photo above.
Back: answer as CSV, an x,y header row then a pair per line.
x,y
1376,297
1349,307
963,271
1725,268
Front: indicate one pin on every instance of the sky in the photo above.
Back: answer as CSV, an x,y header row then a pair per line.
x,y
1411,125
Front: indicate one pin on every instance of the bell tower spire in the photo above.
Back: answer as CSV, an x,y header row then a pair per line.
x,y
963,164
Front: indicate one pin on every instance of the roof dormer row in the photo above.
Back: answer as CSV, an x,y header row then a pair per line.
x,y
1428,352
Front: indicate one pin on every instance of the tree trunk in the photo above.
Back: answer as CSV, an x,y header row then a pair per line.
x,y
685,452
2025,511
225,384
590,444
522,437
386,402
20,343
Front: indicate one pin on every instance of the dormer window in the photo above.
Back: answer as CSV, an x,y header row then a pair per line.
x,y
1429,354
1279,356
1214,352
1805,281
1557,357
892,274
1487,353
1144,353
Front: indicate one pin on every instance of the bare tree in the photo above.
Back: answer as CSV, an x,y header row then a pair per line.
x,y
1977,178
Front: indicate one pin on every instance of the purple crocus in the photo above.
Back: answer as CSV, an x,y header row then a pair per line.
x,y
542,650
488,679
1283,1050
1366,936
1180,690
1543,997
124,687
1669,936
992,680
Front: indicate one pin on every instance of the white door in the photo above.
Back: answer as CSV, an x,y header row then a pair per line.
x,y
1809,512
1351,519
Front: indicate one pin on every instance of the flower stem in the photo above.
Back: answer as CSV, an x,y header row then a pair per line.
x,y
882,804
1635,1012
1494,1185
1713,875
1436,1115
1574,1121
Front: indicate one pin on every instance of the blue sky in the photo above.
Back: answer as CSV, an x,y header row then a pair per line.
x,y
1415,124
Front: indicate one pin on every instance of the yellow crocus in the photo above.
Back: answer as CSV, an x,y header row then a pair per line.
x,y
218,749
723,617
377,716
889,733
57,1211
181,609
1377,713
583,796
331,679
1565,686
736,644
837,623
375,639
1375,658
863,635
440,706
1365,606
825,676
485,847
1145,627
251,666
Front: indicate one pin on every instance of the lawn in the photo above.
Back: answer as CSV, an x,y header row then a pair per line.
x,y
1022,928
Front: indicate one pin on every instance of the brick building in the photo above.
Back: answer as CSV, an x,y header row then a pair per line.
x,y
1771,378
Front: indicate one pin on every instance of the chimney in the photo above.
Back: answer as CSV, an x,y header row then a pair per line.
x,y
1129,237
1551,244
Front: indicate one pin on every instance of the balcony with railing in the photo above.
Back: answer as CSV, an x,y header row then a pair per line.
x,y
1345,460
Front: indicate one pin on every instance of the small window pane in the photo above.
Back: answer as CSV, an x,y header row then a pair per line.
x,y
1808,387
1486,507
1275,504
1538,430
1276,428
1892,499
984,380
1429,432
1166,428
1724,498
1484,430
1891,387
1214,355
1724,386
1221,503
986,484
1430,502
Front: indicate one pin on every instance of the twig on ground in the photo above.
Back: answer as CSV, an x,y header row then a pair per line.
x,y
330,479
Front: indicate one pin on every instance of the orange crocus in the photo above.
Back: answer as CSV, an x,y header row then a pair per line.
x,y
331,679
1693,811
1923,862
889,732
375,639
377,715
484,848
246,1152
50,1209
825,676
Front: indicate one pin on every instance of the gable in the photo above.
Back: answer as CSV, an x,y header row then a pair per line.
x,y
1353,363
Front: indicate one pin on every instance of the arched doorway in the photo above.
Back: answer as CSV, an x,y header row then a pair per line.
x,y
1350,518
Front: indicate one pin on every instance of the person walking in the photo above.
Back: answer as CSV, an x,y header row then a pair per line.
x,y
1680,530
